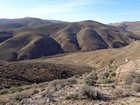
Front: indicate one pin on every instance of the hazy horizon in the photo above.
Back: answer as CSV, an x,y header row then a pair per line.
x,y
105,11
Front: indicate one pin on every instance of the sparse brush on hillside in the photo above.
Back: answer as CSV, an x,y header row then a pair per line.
x,y
105,78
58,84
91,79
22,95
100,78
11,90
37,72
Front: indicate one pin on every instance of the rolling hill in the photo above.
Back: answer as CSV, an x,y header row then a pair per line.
x,y
50,39
28,46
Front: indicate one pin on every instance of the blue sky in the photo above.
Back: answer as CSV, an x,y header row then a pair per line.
x,y
106,11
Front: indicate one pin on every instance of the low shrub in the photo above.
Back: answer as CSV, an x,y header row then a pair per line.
x,y
103,75
91,79
107,81
19,96
90,93
86,92
14,90
90,82
22,95
59,84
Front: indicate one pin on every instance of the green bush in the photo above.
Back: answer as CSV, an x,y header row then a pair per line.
x,y
90,82
105,78
91,79
107,81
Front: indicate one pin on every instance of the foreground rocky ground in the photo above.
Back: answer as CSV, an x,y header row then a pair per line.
x,y
95,88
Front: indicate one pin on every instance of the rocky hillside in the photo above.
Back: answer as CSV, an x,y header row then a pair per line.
x,y
99,87
34,42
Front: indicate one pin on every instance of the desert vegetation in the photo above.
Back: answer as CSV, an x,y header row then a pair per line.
x,y
68,63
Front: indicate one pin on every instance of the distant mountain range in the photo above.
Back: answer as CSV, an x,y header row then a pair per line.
x,y
29,38
24,22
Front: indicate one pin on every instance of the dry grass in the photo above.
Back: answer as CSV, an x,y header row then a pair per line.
x,y
107,58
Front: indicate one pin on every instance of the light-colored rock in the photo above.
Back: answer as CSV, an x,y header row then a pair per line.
x,y
132,66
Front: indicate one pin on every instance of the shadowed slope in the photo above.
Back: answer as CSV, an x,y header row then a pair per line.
x,y
67,40
4,35
90,40
28,46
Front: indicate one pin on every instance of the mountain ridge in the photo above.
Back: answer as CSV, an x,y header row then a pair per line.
x,y
24,22
42,40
